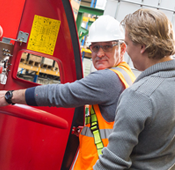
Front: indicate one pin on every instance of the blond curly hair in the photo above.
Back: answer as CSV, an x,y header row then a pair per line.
x,y
153,29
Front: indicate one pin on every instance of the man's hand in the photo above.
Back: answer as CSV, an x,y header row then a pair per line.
x,y
2,98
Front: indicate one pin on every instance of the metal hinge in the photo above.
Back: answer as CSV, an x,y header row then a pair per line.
x,y
22,38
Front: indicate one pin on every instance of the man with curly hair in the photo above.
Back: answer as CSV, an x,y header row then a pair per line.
x,y
143,137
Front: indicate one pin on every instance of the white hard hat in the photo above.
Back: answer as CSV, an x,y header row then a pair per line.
x,y
105,28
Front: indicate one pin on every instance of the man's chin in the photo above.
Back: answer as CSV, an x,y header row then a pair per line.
x,y
101,67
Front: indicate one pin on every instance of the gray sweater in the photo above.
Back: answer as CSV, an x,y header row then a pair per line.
x,y
101,87
143,137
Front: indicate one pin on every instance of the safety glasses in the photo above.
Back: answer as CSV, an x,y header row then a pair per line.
x,y
106,48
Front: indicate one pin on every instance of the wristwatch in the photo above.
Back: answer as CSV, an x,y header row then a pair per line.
x,y
8,97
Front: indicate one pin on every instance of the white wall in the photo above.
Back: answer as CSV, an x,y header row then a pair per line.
x,y
101,4
120,9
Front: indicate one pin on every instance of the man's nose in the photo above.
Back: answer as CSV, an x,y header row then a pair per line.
x,y
100,52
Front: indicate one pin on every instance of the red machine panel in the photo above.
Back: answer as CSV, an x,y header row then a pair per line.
x,y
39,138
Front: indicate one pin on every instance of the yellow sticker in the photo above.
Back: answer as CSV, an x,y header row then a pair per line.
x,y
43,35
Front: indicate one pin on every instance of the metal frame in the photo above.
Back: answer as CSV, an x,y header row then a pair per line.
x,y
141,4
89,10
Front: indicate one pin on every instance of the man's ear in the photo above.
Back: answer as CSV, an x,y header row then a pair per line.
x,y
143,48
123,49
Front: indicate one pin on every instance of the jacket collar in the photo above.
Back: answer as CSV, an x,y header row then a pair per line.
x,y
156,68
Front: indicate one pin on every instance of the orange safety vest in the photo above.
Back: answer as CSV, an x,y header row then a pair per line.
x,y
94,135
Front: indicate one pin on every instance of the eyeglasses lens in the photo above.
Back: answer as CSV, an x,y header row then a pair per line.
x,y
106,48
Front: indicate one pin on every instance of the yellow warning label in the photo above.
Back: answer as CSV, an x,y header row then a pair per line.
x,y
43,35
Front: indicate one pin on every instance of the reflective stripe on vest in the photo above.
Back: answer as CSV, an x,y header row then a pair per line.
x,y
125,74
103,132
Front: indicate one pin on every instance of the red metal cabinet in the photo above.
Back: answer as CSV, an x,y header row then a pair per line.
x,y
26,143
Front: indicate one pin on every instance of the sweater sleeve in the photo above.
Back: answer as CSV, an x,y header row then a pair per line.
x,y
97,88
133,113
30,96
